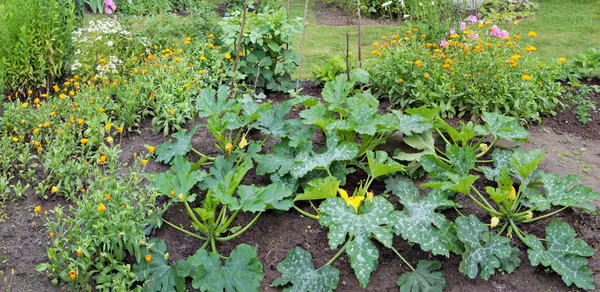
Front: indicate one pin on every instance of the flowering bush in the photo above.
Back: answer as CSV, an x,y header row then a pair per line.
x,y
101,47
477,68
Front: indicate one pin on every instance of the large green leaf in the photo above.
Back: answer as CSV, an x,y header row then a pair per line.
x,y
157,274
317,115
258,199
364,119
213,103
419,222
182,145
565,254
525,163
281,159
563,192
462,159
242,271
336,91
336,151
424,278
503,127
297,268
320,188
273,122
381,164
500,158
180,179
373,219
483,248
422,141
412,124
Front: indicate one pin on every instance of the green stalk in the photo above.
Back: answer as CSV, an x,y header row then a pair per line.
x,y
484,200
544,216
220,217
230,220
442,135
192,215
185,231
517,231
230,237
503,228
339,253
402,258
205,245
213,247
304,213
202,155
492,212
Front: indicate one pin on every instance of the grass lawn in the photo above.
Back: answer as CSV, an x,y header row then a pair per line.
x,y
564,28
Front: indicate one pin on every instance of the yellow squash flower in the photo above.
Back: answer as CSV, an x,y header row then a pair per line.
x,y
352,201
494,222
483,147
529,215
512,195
243,142
228,148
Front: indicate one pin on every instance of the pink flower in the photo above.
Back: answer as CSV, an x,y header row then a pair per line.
x,y
452,31
444,43
472,19
109,6
474,36
463,26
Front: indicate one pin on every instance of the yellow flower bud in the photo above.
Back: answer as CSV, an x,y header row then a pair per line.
x,y
228,148
529,215
483,147
494,222
243,142
512,195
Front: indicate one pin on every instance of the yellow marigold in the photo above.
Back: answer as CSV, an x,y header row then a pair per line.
x,y
80,122
144,162
101,208
79,252
102,159
148,258
561,60
171,111
151,149
38,209
24,105
108,126
526,77
53,190
72,274
84,141
107,197
426,75
109,139
227,56
532,34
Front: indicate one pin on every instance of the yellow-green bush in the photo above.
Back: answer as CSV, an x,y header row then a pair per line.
x,y
36,42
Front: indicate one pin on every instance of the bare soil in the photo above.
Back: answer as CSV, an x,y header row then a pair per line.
x,y
23,239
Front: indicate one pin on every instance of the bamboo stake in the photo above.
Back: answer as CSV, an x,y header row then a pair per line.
x,y
301,46
239,47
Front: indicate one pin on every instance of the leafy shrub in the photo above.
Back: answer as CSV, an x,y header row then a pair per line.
x,y
333,67
586,64
92,238
501,10
101,47
143,7
166,28
36,42
474,70
266,59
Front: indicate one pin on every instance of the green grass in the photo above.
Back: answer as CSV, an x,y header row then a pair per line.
x,y
322,41
564,27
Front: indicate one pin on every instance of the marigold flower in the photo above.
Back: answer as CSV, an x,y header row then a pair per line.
x,y
109,139
53,189
426,75
151,149
101,208
72,274
79,252
24,105
532,34
38,209
494,222
144,162
561,60
148,258
107,197
526,77
51,234
84,141
171,111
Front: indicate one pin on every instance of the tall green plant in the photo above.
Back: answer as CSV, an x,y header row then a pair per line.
x,y
36,41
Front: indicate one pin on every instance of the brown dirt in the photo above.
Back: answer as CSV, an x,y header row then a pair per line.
x,y
24,240
334,16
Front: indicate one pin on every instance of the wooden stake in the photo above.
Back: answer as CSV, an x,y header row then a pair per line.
x,y
239,47
301,46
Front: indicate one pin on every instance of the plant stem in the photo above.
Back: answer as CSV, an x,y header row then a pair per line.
x,y
185,231
491,211
443,137
202,155
503,228
192,215
544,216
517,231
402,258
228,222
230,237
304,213
339,253
483,198
301,45
205,245
213,246
221,215
239,45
